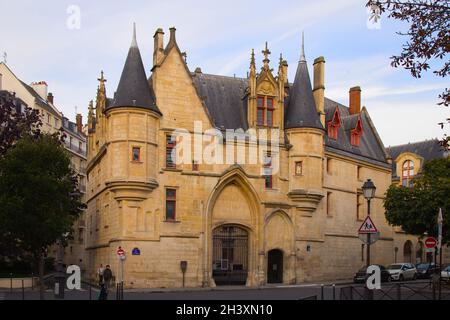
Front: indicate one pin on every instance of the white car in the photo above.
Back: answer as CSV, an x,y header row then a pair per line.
x,y
445,274
402,271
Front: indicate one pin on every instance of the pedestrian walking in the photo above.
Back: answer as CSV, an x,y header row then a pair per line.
x,y
107,276
100,274
103,295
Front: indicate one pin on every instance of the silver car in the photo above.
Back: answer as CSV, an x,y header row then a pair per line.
x,y
402,271
445,274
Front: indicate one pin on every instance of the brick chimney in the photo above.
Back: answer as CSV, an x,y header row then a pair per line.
x,y
50,97
158,50
355,100
79,120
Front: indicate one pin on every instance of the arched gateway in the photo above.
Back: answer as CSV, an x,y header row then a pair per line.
x,y
230,255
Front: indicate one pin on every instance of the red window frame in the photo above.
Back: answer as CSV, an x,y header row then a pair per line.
x,y
334,124
170,145
171,200
270,109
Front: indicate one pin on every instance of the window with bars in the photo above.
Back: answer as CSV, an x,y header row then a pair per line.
x,y
171,204
170,151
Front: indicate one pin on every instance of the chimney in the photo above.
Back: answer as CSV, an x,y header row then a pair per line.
x,y
79,120
319,87
172,34
158,49
355,100
50,97
41,88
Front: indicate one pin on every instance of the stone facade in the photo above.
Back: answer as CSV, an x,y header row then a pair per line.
x,y
311,217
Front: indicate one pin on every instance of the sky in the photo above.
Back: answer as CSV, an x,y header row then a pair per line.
x,y
44,41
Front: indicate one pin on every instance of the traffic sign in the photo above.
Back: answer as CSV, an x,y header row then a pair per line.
x,y
430,242
367,227
374,237
120,251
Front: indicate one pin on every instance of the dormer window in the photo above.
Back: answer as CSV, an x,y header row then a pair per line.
x,y
265,111
356,133
334,125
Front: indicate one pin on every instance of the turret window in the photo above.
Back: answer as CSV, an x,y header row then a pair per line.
x,y
136,154
407,173
260,111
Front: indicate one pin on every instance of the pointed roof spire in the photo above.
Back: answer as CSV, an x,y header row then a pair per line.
x,y
134,41
301,111
302,57
266,60
133,89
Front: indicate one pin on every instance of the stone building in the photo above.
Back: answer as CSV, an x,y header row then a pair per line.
x,y
36,96
231,222
407,163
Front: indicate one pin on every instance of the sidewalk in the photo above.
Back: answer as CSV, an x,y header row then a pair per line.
x,y
231,288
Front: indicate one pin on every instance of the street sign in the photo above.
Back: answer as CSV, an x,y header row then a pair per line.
x,y
136,252
120,252
367,227
374,237
430,242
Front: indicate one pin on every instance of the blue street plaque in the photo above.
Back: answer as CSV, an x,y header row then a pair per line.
x,y
136,252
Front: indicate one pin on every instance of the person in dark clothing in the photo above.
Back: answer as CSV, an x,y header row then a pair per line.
x,y
103,295
107,276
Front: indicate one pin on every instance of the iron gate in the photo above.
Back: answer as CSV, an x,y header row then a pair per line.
x,y
230,255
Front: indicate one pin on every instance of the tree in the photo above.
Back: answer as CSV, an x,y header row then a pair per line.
x,y
416,209
39,198
14,124
429,39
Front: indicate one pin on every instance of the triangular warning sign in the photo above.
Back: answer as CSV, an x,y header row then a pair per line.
x,y
368,226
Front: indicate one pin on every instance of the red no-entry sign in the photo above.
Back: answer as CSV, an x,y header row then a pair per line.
x,y
120,251
430,242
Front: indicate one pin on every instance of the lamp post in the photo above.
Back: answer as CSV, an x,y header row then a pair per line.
x,y
369,193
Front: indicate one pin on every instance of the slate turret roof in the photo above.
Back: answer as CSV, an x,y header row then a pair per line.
x,y
301,109
133,89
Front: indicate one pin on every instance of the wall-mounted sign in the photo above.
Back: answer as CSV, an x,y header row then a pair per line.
x,y
136,252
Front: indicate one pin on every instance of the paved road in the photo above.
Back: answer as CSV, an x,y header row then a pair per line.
x,y
417,290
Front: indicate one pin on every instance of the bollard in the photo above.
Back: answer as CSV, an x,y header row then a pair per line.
x,y
10,276
90,291
321,292
334,291
23,291
32,281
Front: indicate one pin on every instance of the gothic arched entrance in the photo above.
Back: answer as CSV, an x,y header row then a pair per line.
x,y
275,266
230,255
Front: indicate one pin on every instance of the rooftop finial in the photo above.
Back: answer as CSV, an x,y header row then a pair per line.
x,y
266,60
134,41
302,57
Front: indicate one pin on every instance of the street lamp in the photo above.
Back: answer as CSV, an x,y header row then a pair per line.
x,y
368,189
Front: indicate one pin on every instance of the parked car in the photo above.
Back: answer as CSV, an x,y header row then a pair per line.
x,y
426,270
402,271
445,273
361,275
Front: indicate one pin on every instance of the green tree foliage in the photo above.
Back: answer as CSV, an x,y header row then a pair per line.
x,y
39,198
416,209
